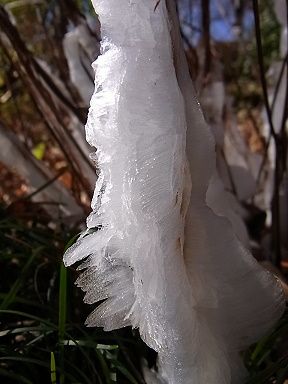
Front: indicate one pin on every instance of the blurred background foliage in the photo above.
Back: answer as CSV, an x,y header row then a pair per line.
x,y
47,175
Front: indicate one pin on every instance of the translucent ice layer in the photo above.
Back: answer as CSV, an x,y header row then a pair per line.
x,y
162,260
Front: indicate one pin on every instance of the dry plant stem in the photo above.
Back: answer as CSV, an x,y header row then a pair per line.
x,y
37,175
281,160
81,115
40,108
206,35
14,99
84,67
82,184
30,65
261,66
275,204
229,173
43,101
279,80
21,49
283,131
61,63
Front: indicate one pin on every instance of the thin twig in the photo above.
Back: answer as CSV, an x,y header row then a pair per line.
x,y
206,35
275,204
262,68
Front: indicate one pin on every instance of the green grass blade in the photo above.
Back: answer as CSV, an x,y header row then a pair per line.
x,y
37,330
62,316
265,375
105,369
62,303
126,373
283,375
25,360
29,316
53,369
9,298
14,376
32,361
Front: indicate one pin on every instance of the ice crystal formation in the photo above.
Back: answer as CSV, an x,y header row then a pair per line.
x,y
161,259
